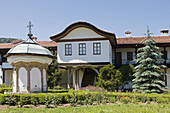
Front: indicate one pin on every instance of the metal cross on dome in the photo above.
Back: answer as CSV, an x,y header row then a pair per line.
x,y
29,27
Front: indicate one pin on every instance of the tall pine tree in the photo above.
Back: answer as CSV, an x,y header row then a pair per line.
x,y
148,75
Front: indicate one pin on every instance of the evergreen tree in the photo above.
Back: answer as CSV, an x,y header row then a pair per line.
x,y
148,75
53,74
109,78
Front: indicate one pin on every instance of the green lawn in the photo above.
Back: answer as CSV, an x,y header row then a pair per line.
x,y
117,108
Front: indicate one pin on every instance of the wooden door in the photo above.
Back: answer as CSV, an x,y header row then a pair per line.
x,y
118,58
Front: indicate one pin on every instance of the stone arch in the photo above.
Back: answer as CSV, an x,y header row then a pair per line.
x,y
23,79
35,80
81,73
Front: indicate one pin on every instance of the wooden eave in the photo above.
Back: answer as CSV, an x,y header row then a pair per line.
x,y
108,35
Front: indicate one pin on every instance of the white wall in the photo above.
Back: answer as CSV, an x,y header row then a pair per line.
x,y
23,80
124,53
89,57
29,58
35,80
8,77
14,80
1,76
82,32
44,80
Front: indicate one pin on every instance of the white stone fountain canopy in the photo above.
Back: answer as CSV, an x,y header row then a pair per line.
x,y
30,62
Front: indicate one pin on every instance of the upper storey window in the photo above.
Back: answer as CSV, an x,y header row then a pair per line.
x,y
68,49
96,48
82,49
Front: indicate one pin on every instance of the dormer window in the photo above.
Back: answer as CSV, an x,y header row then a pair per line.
x,y
96,48
82,49
68,49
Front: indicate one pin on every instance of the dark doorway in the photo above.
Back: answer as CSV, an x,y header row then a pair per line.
x,y
88,77
118,58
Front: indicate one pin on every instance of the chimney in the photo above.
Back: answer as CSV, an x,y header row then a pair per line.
x,y
128,34
164,32
34,39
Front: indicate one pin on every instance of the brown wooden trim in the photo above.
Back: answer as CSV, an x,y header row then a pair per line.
x,y
26,54
82,48
109,35
89,63
83,39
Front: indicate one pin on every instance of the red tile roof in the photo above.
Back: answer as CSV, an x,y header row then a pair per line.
x,y
137,40
132,40
42,43
47,43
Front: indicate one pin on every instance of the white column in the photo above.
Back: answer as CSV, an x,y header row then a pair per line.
x,y
77,79
74,80
81,73
68,79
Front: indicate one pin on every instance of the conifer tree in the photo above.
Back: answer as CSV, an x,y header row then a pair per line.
x,y
148,75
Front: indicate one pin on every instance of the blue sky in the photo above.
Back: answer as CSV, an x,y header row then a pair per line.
x,y
50,17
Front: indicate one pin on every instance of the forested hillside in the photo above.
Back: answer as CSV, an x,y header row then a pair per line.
x,y
6,40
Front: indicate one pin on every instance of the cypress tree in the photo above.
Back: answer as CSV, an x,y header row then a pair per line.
x,y
148,75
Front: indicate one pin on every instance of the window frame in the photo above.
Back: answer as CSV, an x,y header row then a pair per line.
x,y
82,53
97,50
69,48
129,57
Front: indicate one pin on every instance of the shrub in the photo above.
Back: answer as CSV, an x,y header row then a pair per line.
x,y
73,99
112,100
22,100
11,100
56,100
2,90
34,100
162,100
2,99
125,100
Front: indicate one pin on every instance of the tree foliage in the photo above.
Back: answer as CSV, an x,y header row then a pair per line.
x,y
148,75
127,74
53,74
109,78
7,40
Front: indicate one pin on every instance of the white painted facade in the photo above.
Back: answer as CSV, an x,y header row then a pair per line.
x,y
105,56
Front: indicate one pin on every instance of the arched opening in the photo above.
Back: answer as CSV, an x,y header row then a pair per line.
x,y
22,79
89,77
35,80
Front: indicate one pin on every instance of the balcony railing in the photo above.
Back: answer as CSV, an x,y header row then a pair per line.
x,y
125,61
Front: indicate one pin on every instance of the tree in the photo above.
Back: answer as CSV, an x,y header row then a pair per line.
x,y
53,74
127,74
148,75
109,78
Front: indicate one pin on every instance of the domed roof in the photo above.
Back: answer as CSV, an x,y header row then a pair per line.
x,y
29,47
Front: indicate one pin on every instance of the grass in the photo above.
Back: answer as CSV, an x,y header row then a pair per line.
x,y
116,108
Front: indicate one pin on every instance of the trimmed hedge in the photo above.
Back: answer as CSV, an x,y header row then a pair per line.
x,y
2,90
81,97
